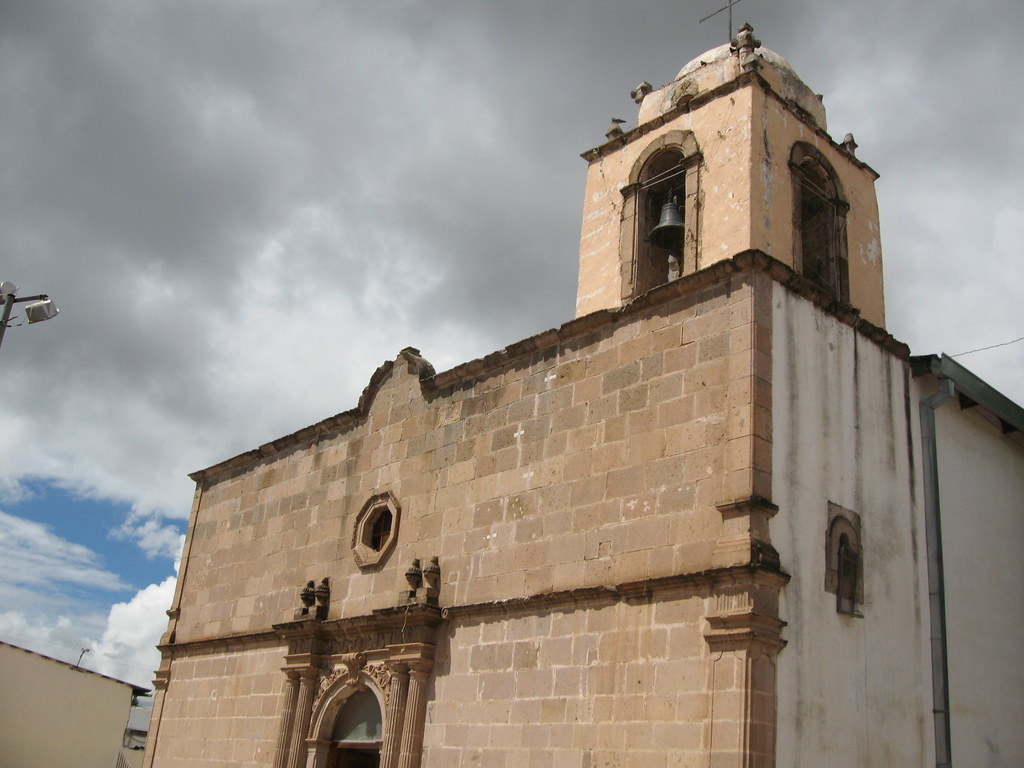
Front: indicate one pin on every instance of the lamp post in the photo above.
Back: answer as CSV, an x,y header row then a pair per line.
x,y
41,308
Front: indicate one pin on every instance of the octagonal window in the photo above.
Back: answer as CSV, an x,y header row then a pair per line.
x,y
376,529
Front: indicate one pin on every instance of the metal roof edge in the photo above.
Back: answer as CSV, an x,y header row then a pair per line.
x,y
942,366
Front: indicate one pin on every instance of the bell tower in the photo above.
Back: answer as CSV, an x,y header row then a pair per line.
x,y
731,156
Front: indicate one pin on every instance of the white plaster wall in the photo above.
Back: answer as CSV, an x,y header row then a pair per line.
x,y
849,688
981,490
52,714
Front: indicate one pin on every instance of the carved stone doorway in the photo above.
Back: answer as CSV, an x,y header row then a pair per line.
x,y
357,732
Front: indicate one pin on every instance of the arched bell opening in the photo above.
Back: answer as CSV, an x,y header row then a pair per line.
x,y
660,229
661,220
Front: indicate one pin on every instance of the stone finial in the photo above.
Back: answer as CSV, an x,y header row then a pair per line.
x,y
745,39
615,130
308,594
744,44
323,591
414,574
416,363
638,93
323,598
432,573
431,583
849,145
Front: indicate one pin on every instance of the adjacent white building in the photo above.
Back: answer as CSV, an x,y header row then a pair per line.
x,y
56,714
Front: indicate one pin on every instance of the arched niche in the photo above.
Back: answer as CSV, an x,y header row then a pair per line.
x,y
844,562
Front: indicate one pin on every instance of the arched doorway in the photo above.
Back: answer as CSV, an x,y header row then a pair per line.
x,y
357,734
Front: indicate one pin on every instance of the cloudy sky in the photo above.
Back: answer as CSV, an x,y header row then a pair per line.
x,y
243,208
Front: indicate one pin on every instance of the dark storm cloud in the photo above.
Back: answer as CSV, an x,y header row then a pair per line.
x,y
244,208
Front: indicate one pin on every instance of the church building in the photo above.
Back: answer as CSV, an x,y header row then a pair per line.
x,y
721,518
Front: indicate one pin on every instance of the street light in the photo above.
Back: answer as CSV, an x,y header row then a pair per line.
x,y
40,309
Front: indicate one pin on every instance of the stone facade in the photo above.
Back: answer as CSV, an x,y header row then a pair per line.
x,y
578,551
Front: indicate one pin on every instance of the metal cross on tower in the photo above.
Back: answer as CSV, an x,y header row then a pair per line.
x,y
728,7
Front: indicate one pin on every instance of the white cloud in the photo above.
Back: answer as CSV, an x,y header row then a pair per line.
x,y
33,557
153,537
43,581
128,634
127,649
60,637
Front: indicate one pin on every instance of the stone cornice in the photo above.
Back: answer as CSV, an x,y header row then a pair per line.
x,y
745,79
219,642
412,616
610,594
420,617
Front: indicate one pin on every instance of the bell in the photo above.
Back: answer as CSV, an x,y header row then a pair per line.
x,y
668,234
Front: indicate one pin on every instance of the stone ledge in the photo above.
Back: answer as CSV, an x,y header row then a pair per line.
x,y
419,616
631,591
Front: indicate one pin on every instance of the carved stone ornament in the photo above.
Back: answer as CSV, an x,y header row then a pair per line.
x,y
347,671
382,677
638,93
327,681
354,663
615,129
744,44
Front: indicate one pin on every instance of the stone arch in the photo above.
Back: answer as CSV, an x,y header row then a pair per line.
x,y
644,264
335,691
333,697
678,139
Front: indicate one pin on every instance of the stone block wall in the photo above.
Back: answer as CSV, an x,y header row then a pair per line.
x,y
597,458
590,493
221,707
618,684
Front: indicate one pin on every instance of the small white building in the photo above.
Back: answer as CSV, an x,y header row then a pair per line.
x,y
53,713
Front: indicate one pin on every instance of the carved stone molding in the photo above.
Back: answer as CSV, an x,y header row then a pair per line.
x,y
390,652
745,539
744,631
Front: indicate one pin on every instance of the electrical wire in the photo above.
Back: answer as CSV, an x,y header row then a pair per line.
x,y
993,346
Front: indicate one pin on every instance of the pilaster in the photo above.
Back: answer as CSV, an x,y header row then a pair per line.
x,y
304,711
289,698
391,748
160,682
415,713
744,637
